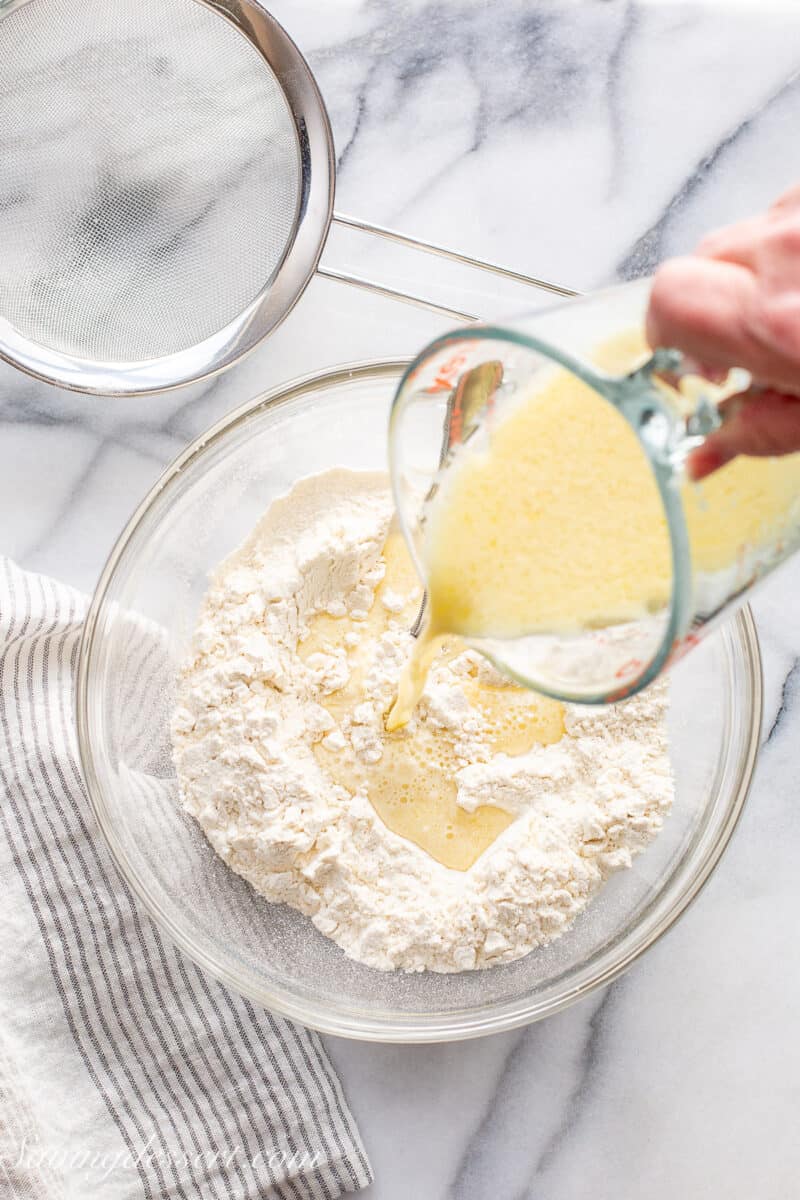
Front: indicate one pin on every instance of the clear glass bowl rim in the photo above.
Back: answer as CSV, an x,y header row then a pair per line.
x,y
609,964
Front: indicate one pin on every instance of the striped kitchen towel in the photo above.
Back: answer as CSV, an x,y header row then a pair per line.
x,y
125,1072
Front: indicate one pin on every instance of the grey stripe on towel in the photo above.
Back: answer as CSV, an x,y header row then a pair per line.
x,y
182,1066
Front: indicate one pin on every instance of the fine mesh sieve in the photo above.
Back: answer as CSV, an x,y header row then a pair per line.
x,y
166,189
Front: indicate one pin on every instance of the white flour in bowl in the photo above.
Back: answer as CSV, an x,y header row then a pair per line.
x,y
279,744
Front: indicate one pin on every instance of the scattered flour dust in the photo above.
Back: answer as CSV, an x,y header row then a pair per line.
x,y
255,726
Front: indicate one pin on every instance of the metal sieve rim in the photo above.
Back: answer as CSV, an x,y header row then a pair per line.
x,y
280,291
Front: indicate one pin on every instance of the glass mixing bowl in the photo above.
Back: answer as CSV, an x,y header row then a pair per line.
x,y
137,631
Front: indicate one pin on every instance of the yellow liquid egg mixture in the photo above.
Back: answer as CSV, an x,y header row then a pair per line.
x,y
413,786
555,524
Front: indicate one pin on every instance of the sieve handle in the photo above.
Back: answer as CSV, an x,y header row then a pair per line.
x,y
403,239
380,289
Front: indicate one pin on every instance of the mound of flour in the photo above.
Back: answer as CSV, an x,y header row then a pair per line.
x,y
249,716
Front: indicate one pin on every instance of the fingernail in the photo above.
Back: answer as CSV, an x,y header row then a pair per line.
x,y
705,460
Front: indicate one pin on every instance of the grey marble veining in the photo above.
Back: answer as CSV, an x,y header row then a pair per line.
x,y
582,142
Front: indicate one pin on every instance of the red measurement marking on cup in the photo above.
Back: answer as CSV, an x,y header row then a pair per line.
x,y
457,413
448,373
629,671
620,694
682,646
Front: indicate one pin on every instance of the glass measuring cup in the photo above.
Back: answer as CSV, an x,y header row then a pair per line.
x,y
721,535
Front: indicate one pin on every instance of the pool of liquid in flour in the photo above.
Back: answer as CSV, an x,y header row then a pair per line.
x,y
413,787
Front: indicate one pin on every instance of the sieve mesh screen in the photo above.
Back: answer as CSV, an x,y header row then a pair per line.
x,y
149,175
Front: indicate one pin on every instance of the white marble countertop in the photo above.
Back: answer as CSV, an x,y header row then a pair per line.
x,y
581,142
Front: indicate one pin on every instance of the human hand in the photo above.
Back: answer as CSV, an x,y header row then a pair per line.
x,y
735,302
